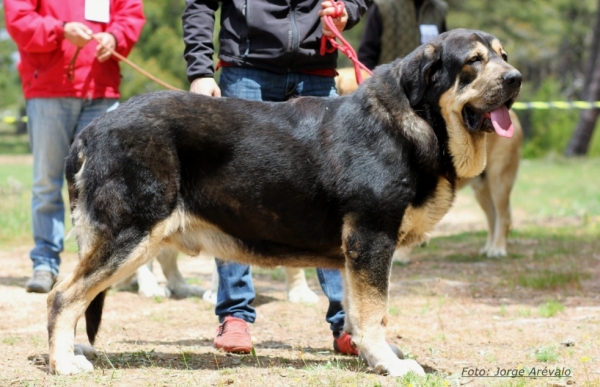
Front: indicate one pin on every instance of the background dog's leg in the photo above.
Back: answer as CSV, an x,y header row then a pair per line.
x,y
402,254
296,288
148,285
175,281
500,195
211,294
481,188
368,265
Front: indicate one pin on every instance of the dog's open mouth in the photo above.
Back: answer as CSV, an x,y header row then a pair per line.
x,y
496,119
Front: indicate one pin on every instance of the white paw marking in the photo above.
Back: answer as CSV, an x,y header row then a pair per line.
x,y
210,296
302,295
154,291
74,364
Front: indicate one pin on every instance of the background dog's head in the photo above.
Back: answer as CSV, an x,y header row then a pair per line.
x,y
466,73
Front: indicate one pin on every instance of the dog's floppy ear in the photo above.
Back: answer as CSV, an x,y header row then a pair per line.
x,y
417,71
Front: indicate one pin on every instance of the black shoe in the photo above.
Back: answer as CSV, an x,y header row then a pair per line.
x,y
42,281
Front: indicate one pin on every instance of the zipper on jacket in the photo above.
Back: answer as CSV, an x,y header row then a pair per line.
x,y
245,13
295,37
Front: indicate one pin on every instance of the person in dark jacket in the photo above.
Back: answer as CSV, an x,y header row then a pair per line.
x,y
269,51
393,28
68,80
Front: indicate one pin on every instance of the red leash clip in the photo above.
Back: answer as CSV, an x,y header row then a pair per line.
x,y
344,47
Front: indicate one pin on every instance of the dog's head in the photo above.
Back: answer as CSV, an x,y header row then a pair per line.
x,y
466,73
463,75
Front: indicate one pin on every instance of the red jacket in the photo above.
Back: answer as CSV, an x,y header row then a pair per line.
x,y
37,28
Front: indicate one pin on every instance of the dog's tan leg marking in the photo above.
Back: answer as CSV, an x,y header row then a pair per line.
x,y
68,301
66,304
296,287
366,305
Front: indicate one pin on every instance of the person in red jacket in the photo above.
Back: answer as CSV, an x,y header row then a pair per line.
x,y
68,79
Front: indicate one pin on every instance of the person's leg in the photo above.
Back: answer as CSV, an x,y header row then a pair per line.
x,y
236,292
331,283
92,109
51,122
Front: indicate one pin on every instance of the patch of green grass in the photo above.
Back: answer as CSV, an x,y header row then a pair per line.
x,y
12,143
275,274
549,279
546,355
550,308
557,187
429,380
11,340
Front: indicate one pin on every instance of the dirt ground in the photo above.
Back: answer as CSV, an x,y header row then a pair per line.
x,y
454,317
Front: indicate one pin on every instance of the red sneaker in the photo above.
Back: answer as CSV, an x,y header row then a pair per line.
x,y
344,345
233,336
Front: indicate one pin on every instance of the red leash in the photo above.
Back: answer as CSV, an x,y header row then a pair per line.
x,y
344,47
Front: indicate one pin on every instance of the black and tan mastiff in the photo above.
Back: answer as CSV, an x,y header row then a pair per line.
x,y
325,182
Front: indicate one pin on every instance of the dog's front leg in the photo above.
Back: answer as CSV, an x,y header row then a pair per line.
x,y
368,255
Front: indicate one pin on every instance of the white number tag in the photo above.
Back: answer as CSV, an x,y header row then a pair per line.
x,y
428,32
97,10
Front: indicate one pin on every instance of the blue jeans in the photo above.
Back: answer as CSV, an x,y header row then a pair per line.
x,y
236,291
52,125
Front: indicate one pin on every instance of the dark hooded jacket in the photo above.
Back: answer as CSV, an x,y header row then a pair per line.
x,y
275,35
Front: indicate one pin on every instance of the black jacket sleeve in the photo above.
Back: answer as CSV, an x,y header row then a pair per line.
x,y
356,9
369,49
198,29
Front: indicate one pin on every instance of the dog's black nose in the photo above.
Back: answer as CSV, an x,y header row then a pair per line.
x,y
512,79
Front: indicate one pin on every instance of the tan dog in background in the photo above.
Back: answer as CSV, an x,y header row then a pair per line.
x,y
492,187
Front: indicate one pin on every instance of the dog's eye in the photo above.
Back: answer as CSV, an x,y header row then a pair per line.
x,y
474,59
505,57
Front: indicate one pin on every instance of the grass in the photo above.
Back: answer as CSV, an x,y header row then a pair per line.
x,y
550,308
10,143
544,258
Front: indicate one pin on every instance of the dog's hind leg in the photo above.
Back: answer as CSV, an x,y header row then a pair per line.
x,y
84,290
148,286
296,287
368,265
176,284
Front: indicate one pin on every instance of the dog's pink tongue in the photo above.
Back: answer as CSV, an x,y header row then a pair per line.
x,y
502,123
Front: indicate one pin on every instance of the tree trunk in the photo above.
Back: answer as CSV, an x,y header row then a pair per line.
x,y
580,140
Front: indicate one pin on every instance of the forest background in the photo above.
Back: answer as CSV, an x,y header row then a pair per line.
x,y
554,44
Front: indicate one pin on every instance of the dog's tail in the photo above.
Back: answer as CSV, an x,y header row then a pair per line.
x,y
93,316
73,165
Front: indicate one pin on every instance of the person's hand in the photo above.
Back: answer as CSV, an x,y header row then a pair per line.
x,y
77,33
328,10
205,86
106,44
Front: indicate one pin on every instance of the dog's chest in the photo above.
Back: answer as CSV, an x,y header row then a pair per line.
x,y
418,221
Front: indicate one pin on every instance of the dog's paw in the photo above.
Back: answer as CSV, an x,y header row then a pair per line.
x,y
302,295
187,291
210,297
85,350
494,252
70,365
397,367
154,291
